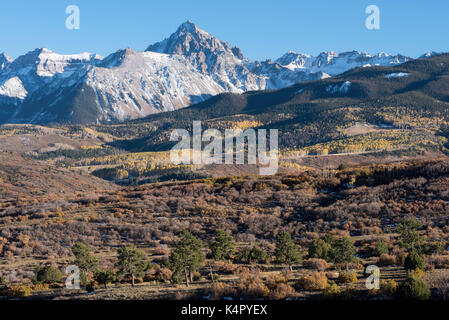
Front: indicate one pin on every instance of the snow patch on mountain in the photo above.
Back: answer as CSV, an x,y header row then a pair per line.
x,y
13,88
4,61
430,54
397,75
339,88
333,63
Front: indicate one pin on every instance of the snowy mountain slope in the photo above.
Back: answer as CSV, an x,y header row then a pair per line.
x,y
134,84
124,85
188,67
40,68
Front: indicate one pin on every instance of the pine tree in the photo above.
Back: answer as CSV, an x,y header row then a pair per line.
x,y
86,262
104,277
409,237
83,259
319,248
130,263
286,251
186,258
342,251
223,246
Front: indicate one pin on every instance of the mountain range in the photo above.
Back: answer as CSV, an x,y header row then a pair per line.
x,y
403,106
189,67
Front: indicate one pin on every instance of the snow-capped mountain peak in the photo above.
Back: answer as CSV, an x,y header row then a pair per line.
x,y
188,40
203,50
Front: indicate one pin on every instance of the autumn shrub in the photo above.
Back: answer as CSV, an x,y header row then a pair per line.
x,y
223,267
316,264
240,270
20,291
438,261
386,260
41,286
347,277
332,291
312,282
164,275
274,279
281,291
218,290
279,287
349,293
400,255
252,286
388,287
416,273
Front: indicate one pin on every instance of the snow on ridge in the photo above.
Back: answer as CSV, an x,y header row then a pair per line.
x,y
339,88
51,63
334,63
5,60
397,75
431,54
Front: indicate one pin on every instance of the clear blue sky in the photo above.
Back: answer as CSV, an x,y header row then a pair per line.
x,y
262,29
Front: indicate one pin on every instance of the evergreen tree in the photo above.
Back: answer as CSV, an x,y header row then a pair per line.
x,y
130,263
319,248
252,254
104,277
223,246
342,250
381,248
47,275
409,237
83,259
286,251
86,262
186,258
414,261
414,289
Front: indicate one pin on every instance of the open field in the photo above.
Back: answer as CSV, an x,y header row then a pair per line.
x,y
360,203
